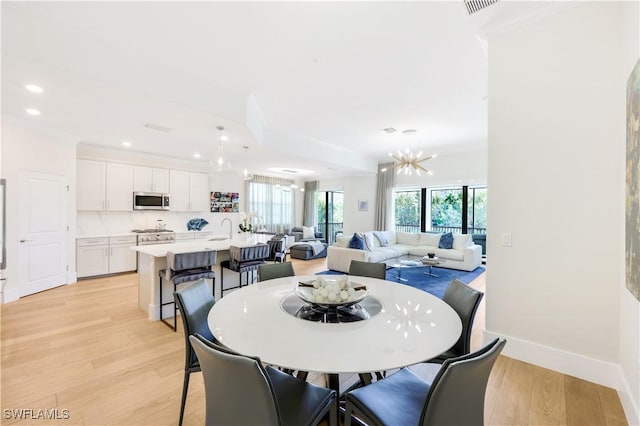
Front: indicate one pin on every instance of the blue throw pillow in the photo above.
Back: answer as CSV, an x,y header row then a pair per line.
x,y
356,242
446,241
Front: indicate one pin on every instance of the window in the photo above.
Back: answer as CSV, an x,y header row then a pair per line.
x,y
330,205
407,210
477,215
445,210
271,199
450,209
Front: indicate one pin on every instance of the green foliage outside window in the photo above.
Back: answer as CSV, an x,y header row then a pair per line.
x,y
446,207
407,209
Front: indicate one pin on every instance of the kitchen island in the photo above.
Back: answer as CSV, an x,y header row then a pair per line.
x,y
153,258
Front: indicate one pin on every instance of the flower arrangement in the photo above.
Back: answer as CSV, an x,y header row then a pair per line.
x,y
247,222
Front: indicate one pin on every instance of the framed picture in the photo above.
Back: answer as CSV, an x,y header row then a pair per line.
x,y
363,205
225,202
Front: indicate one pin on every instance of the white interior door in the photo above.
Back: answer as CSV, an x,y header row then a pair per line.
x,y
43,232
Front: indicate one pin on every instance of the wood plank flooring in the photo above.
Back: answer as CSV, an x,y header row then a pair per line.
x,y
88,349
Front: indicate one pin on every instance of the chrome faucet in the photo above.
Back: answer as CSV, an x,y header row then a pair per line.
x,y
230,227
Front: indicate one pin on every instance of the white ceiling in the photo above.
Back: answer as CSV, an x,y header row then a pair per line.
x,y
306,86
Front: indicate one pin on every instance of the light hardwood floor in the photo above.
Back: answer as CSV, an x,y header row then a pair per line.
x,y
88,349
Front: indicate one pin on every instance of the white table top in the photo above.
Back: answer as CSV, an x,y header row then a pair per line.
x,y
413,326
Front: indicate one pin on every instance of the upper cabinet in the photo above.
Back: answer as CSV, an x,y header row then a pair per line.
x,y
91,185
104,186
119,187
150,179
189,191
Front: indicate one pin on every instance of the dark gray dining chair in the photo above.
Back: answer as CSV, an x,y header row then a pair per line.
x,y
368,269
270,271
455,397
465,301
184,268
194,302
239,390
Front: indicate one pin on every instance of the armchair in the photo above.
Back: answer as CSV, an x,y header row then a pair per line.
x,y
298,233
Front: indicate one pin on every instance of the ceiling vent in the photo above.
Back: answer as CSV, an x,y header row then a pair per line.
x,y
157,127
290,171
474,6
389,130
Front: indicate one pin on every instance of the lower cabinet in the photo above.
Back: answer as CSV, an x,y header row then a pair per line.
x,y
102,256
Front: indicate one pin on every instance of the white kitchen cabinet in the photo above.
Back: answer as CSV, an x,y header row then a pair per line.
x,y
199,192
102,256
92,257
119,187
179,190
104,186
121,257
150,179
189,191
91,185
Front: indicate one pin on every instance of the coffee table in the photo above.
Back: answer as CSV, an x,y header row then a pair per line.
x,y
430,263
404,262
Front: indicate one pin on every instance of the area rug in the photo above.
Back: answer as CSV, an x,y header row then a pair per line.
x,y
417,277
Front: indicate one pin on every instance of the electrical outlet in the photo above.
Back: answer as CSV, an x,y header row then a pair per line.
x,y
506,239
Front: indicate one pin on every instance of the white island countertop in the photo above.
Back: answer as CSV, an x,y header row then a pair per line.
x,y
218,243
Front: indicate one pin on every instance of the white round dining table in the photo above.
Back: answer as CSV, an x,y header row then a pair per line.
x,y
412,326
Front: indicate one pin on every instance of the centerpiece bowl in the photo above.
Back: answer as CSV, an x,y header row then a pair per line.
x,y
331,292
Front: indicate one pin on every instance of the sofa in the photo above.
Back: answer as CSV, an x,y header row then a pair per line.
x,y
463,254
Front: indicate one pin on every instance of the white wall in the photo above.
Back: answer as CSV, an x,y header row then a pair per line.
x,y
556,179
24,150
355,189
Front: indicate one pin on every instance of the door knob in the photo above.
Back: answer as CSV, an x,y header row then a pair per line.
x,y
24,241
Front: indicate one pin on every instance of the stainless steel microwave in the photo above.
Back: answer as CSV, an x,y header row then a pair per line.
x,y
150,201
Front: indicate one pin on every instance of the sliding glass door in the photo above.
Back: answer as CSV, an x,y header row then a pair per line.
x,y
330,214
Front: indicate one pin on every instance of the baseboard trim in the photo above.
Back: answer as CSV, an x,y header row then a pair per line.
x,y
10,294
593,370
590,369
631,408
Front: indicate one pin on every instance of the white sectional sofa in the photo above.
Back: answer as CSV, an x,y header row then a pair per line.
x,y
464,255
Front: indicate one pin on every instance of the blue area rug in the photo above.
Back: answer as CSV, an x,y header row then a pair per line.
x,y
417,277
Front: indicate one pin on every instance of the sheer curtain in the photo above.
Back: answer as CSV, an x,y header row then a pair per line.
x,y
271,199
384,197
310,208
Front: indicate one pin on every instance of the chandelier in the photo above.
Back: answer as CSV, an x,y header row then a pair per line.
x,y
245,173
220,153
409,163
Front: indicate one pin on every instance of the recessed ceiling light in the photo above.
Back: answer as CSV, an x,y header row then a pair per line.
x,y
410,132
196,155
33,88
389,130
126,144
32,111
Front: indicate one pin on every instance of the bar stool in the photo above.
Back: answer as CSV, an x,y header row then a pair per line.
x,y
243,260
186,267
